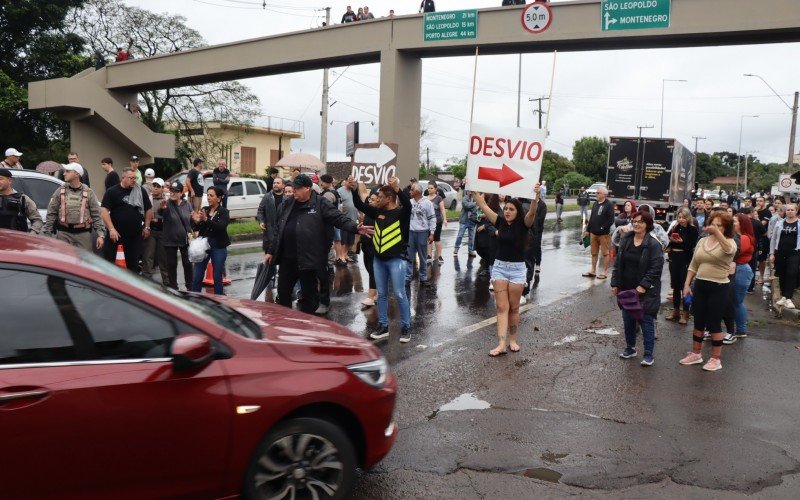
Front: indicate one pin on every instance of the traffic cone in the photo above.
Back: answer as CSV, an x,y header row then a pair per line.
x,y
120,260
208,280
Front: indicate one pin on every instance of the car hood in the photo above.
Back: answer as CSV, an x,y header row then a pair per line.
x,y
302,337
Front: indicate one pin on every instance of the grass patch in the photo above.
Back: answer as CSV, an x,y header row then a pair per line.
x,y
243,227
453,214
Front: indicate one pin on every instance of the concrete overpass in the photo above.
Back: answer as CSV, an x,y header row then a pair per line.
x,y
93,100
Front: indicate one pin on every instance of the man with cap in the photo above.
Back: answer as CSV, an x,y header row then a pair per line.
x,y
12,159
74,211
154,251
126,211
304,232
194,184
149,175
16,209
177,224
134,162
72,157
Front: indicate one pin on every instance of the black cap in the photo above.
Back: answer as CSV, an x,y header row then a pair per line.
x,y
326,178
176,186
4,172
197,161
134,158
302,181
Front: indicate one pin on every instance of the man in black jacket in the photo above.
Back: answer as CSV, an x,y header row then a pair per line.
x,y
601,221
302,241
533,253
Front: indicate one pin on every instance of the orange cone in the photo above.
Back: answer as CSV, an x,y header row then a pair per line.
x,y
120,260
209,278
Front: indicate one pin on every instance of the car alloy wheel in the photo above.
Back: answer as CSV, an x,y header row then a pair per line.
x,y
302,458
453,205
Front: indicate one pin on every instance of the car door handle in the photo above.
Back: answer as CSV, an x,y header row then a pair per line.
x,y
4,398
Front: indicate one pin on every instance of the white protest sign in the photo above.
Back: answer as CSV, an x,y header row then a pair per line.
x,y
504,160
374,163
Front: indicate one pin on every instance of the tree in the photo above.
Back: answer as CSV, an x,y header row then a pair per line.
x,y
555,166
459,168
710,167
107,24
590,155
35,47
573,180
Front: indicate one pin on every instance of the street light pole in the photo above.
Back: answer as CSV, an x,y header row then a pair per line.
x,y
739,152
323,139
793,131
519,89
640,127
663,81
746,158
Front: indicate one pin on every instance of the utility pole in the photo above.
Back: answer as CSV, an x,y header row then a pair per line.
x,y
790,165
323,140
695,143
640,127
427,158
519,90
696,139
540,112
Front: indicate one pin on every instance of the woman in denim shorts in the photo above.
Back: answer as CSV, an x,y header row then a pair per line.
x,y
509,272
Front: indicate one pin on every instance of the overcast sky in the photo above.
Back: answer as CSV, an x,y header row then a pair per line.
x,y
603,93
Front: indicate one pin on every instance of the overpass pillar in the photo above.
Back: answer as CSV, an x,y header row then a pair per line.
x,y
400,101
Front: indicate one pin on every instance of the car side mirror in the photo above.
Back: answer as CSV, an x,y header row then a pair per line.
x,y
191,350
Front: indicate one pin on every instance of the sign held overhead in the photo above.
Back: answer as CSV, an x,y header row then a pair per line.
x,y
504,160
374,163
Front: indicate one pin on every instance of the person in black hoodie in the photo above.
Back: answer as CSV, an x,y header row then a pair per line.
x,y
427,6
304,235
212,222
638,266
533,254
177,215
486,237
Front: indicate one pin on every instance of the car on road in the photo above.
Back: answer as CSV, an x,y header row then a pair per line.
x,y
244,195
119,389
592,190
450,200
37,186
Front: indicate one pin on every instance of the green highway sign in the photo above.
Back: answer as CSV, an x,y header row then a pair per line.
x,y
452,25
616,15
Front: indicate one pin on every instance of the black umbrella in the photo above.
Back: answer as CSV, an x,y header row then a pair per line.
x,y
262,279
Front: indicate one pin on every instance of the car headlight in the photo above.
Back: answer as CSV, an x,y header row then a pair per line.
x,y
371,372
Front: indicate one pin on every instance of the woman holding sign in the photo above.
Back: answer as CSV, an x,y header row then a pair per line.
x,y
508,272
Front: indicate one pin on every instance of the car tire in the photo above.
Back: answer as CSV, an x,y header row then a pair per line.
x,y
453,205
303,454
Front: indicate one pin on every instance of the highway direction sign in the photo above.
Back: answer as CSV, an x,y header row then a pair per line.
x,y
452,25
504,160
616,15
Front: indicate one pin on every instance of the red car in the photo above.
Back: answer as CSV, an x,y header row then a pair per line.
x,y
113,388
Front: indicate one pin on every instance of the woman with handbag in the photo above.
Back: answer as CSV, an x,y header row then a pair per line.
x,y
636,281
212,223
177,215
683,235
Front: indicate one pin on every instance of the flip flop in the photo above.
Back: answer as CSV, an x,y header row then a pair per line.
x,y
588,275
602,277
514,350
497,353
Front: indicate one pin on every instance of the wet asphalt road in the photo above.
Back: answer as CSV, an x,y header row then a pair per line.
x,y
566,416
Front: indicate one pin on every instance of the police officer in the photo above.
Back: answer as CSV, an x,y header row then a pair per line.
x,y
74,211
16,209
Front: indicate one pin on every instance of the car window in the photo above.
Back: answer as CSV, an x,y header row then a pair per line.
x,y
39,190
236,189
119,329
207,182
261,188
252,188
34,327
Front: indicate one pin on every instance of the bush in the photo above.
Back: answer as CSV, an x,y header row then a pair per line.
x,y
574,180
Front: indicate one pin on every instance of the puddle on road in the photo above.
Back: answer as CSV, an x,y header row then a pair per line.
x,y
566,340
463,402
543,474
604,331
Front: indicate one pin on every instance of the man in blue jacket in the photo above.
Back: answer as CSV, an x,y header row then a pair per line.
x,y
467,223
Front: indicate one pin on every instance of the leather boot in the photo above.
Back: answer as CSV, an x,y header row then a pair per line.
x,y
675,316
684,318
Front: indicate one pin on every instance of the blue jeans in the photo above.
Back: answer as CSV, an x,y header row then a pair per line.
x,y
648,331
217,257
417,245
396,270
466,227
744,274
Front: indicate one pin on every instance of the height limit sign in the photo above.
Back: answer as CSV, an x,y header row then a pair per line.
x,y
536,17
617,15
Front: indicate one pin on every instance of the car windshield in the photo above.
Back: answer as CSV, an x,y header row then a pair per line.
x,y
207,307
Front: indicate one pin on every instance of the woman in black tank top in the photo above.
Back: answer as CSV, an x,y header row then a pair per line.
x,y
508,271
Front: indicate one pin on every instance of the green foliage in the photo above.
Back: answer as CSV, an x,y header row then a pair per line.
x,y
35,47
761,177
574,180
554,167
710,167
590,155
458,167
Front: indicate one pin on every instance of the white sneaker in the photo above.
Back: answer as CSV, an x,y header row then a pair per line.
x,y
523,300
789,304
781,302
491,286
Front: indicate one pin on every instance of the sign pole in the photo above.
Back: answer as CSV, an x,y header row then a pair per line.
x,y
550,99
474,84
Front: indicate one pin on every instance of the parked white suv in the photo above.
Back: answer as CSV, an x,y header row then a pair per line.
x,y
450,201
37,186
244,196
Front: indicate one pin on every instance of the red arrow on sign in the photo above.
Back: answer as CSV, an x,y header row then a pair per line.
x,y
505,175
